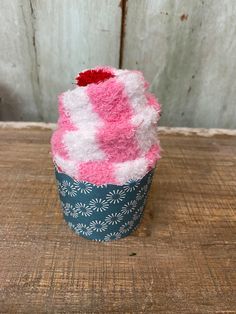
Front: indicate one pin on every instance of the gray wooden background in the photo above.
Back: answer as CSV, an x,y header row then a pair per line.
x,y
186,49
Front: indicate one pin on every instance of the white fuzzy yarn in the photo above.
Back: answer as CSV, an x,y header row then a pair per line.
x,y
82,145
132,169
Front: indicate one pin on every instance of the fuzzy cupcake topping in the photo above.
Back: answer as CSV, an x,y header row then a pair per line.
x,y
107,127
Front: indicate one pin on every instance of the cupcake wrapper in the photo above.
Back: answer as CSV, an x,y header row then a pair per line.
x,y
102,213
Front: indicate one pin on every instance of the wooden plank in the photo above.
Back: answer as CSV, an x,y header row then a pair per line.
x,y
17,63
46,43
185,246
71,36
187,51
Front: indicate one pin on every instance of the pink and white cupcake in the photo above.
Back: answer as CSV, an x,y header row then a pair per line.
x,y
106,137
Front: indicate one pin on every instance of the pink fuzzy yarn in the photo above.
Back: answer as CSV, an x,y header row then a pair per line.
x,y
152,155
153,102
97,172
118,142
110,101
104,124
63,125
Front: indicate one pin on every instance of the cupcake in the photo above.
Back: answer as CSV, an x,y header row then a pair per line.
x,y
105,149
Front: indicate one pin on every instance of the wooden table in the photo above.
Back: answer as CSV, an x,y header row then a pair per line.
x,y
180,260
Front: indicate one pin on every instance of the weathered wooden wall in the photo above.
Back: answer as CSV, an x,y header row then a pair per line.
x,y
44,44
185,48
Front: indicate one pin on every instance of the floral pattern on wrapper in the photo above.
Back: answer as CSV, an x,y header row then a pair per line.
x,y
102,213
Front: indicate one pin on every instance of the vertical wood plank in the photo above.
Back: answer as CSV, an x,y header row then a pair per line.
x,y
17,63
187,51
70,36
44,44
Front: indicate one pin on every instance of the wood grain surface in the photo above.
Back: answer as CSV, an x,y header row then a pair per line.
x,y
180,260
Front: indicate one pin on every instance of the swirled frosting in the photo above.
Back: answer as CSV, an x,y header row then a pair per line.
x,y
107,127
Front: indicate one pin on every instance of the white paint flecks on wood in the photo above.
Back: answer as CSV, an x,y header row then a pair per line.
x,y
187,51
44,44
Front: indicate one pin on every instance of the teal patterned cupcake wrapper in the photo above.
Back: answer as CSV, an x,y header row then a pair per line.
x,y
102,213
